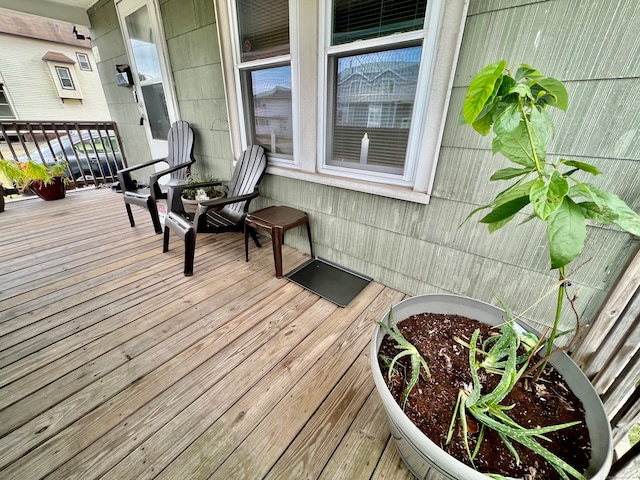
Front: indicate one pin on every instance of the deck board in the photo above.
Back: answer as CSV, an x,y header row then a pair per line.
x,y
115,365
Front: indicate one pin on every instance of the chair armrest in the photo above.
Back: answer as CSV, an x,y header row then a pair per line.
x,y
153,178
221,202
124,175
9,190
141,165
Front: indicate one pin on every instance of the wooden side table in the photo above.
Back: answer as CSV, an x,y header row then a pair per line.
x,y
275,221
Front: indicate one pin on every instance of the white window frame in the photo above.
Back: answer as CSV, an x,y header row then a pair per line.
x,y
59,69
4,93
239,67
310,25
83,61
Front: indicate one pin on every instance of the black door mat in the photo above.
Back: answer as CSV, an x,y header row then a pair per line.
x,y
333,282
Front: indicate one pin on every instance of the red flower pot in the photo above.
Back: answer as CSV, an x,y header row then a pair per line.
x,y
54,191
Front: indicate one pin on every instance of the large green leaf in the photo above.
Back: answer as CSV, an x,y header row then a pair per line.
x,y
483,124
547,196
627,218
555,88
566,232
595,212
508,120
481,89
509,173
495,226
585,167
541,124
583,190
526,71
505,210
516,147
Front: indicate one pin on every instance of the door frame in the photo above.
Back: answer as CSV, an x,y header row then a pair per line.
x,y
123,9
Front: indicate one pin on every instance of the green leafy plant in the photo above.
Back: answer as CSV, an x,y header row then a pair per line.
x,y
211,191
23,174
514,107
406,348
502,359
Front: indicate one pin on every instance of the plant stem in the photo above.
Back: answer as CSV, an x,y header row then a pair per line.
x,y
556,322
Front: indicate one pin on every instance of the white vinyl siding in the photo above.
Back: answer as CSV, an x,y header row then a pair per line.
x,y
35,96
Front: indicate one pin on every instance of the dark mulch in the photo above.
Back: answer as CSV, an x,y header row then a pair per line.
x,y
432,401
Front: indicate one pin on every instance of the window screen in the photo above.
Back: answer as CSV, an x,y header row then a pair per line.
x,y
372,110
271,114
263,28
83,61
362,19
65,78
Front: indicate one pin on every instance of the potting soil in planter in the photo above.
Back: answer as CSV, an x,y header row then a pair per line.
x,y
432,401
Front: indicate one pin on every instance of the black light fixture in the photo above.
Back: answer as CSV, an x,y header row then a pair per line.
x,y
79,36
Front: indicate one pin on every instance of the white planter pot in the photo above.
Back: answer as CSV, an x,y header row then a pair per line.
x,y
190,206
428,461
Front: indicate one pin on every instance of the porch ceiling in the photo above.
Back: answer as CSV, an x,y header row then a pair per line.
x,y
72,11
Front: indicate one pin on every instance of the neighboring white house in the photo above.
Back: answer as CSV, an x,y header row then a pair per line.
x,y
47,71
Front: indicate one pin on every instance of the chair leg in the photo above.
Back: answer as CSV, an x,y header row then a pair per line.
x,y
130,214
155,218
165,241
277,238
246,243
189,251
254,235
310,243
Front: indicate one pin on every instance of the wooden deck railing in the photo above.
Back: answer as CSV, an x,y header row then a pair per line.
x,y
609,355
91,150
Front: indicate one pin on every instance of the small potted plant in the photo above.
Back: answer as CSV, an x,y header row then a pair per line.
x,y
498,361
201,189
55,188
48,182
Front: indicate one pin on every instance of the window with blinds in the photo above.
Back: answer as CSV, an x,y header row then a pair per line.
x,y
372,87
265,75
263,28
362,19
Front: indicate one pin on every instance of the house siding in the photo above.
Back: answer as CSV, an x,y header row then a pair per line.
x,y
107,39
590,45
424,248
193,55
30,85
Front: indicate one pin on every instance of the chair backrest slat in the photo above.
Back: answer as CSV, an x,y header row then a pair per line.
x,y
246,176
180,147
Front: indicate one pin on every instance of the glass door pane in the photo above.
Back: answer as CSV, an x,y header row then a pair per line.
x,y
145,54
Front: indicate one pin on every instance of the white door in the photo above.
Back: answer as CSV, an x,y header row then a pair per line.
x,y
139,20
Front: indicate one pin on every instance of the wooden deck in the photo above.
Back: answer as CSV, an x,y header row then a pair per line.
x,y
114,365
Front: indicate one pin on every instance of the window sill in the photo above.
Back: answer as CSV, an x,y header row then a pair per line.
x,y
391,191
